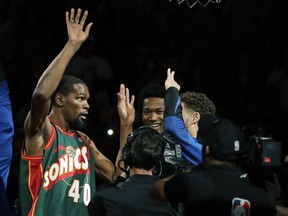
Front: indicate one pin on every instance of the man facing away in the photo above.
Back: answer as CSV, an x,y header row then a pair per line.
x,y
143,150
217,186
57,174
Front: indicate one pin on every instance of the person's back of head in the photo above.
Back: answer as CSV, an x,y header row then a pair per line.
x,y
144,148
199,102
227,146
66,86
225,139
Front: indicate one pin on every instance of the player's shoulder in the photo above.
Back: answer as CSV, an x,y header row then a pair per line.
x,y
83,135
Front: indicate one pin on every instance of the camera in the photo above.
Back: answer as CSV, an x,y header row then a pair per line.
x,y
263,152
263,155
173,154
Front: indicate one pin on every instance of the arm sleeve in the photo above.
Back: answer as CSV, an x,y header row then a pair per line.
x,y
174,125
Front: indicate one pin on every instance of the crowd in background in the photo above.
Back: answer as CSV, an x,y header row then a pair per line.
x,y
236,52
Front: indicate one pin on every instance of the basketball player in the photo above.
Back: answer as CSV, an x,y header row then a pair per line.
x,y
58,161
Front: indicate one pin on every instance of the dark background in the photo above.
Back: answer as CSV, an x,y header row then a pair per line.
x,y
235,52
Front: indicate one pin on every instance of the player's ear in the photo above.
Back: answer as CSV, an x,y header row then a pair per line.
x,y
196,117
59,99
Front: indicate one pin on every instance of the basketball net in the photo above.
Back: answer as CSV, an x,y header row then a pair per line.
x,y
192,3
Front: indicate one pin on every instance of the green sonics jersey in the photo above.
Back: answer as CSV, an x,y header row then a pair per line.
x,y
62,181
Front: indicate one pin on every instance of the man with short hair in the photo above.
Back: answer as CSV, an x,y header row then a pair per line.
x,y
182,114
58,162
164,111
143,150
218,186
152,107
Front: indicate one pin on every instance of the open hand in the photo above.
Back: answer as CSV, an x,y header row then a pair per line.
x,y
125,106
75,26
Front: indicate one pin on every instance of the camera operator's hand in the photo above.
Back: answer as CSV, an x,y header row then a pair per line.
x,y
170,82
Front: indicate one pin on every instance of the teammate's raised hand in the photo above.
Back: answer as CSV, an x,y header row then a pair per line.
x,y
170,81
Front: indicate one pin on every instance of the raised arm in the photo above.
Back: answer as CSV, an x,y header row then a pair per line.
x,y
174,123
37,126
170,81
126,112
104,168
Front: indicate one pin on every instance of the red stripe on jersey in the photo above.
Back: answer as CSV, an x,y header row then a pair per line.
x,y
71,134
60,147
32,211
35,176
51,139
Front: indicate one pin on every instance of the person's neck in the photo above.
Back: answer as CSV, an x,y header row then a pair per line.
x,y
59,121
192,129
140,171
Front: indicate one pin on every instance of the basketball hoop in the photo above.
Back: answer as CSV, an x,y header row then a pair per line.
x,y
191,3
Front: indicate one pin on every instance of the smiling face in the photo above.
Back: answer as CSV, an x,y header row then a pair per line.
x,y
153,113
75,106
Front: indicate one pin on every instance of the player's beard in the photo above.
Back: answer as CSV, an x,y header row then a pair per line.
x,y
78,123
